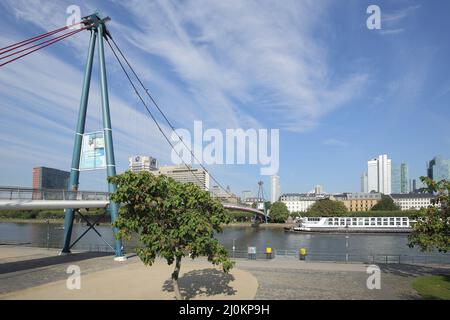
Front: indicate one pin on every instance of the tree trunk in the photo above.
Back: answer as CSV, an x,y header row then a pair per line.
x,y
175,274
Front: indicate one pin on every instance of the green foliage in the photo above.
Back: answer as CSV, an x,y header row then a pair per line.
x,y
327,208
436,287
42,214
432,227
279,212
385,204
171,219
22,214
240,216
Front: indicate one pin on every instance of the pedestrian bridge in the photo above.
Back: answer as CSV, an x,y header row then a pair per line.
x,y
16,198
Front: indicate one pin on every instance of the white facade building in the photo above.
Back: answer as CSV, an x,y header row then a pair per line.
x,y
298,202
225,196
142,163
412,201
379,174
181,173
274,188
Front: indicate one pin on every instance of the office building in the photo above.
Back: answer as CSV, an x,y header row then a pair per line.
x,y
438,168
274,188
142,163
299,202
318,189
412,201
358,201
251,200
225,196
246,194
400,178
417,186
363,182
50,178
184,174
379,174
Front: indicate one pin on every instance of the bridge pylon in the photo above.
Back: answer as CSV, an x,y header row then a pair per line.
x,y
98,32
261,200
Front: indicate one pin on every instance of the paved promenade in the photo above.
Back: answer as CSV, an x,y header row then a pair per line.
x,y
35,273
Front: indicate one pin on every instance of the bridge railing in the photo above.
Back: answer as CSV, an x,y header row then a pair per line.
x,y
17,193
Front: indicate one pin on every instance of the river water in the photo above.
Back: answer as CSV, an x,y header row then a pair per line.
x,y
335,247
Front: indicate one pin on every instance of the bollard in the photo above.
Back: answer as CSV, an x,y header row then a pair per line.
x,y
302,254
268,253
252,253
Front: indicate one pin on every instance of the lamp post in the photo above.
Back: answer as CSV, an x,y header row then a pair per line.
x,y
346,246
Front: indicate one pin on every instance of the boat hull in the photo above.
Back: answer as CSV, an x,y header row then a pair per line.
x,y
351,230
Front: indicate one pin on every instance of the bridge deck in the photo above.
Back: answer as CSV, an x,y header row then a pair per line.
x,y
15,198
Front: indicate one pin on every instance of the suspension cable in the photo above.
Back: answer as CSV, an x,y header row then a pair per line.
x,y
36,45
33,39
46,45
148,110
162,113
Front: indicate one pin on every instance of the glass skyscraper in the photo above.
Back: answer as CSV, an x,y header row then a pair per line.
x,y
438,168
400,178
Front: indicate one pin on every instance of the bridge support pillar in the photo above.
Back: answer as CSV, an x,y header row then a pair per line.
x,y
74,170
110,161
97,34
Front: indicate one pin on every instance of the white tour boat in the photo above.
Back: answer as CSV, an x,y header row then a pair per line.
x,y
353,224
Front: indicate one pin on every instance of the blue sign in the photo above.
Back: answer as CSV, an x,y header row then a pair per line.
x,y
93,151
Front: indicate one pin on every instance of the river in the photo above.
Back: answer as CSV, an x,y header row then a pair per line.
x,y
319,246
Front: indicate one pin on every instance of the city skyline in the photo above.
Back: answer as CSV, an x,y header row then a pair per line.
x,y
333,115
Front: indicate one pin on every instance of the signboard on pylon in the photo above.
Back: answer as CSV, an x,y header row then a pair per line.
x,y
93,151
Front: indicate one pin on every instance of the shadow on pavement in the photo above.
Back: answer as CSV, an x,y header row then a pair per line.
x,y
207,282
409,270
48,261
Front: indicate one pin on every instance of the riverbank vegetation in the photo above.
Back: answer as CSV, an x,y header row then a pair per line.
x,y
432,229
44,214
327,208
279,212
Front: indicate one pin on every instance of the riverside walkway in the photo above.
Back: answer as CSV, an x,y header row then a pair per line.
x,y
37,273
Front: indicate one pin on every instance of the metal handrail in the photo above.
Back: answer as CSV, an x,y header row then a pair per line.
x,y
17,193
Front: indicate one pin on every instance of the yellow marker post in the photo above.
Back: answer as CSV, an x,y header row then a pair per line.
x,y
302,253
268,253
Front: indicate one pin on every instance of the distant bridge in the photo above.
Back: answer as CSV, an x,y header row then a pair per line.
x,y
16,198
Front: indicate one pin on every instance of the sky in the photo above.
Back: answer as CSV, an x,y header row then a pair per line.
x,y
339,93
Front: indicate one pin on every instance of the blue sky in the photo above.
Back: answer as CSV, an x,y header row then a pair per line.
x,y
339,93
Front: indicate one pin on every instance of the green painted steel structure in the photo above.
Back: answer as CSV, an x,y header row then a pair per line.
x,y
98,32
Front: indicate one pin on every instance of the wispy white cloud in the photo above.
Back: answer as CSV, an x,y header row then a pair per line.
x,y
391,31
335,142
229,63
399,14
236,55
392,20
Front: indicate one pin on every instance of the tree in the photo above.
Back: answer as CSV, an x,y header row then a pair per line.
x,y
432,227
385,204
278,212
240,216
171,219
327,208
